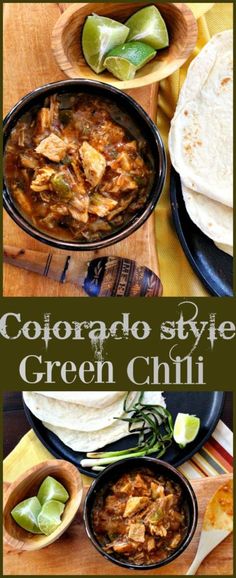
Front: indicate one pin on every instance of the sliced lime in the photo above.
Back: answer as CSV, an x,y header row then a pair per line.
x,y
26,514
50,516
120,68
148,26
124,60
51,489
186,428
101,34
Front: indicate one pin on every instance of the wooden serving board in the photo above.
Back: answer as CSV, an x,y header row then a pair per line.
x,y
73,554
28,64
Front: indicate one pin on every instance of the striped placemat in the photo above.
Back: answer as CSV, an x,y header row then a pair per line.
x,y
214,458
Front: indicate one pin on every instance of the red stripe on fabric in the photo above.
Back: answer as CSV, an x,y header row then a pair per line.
x,y
217,456
222,452
194,466
206,475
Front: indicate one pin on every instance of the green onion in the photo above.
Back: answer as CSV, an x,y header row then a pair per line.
x,y
152,423
111,454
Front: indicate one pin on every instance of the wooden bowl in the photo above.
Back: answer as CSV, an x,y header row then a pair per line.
x,y
26,486
66,41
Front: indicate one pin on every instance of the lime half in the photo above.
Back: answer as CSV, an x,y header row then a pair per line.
x,y
26,514
186,428
50,516
101,34
124,60
148,26
51,489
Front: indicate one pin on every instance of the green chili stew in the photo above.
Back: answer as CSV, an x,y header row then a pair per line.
x,y
141,518
73,170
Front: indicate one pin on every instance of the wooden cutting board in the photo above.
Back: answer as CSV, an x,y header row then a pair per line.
x,y
73,554
29,63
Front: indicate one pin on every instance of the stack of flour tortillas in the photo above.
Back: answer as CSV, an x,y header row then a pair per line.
x,y
86,420
201,140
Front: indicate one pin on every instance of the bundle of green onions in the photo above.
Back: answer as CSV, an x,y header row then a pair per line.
x,y
152,423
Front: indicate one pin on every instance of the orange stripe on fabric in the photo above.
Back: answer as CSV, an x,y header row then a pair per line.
x,y
218,457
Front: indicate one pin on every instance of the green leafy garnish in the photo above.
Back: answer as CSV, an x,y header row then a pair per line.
x,y
152,423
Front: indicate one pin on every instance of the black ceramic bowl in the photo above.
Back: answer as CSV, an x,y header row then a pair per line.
x,y
142,125
113,473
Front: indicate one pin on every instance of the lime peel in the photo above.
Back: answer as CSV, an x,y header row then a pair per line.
x,y
26,514
124,60
101,34
186,428
51,489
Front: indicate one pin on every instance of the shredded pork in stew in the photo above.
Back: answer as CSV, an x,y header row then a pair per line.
x,y
141,518
73,170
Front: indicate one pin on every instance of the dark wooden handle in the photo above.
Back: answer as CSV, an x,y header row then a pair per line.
x,y
49,265
101,277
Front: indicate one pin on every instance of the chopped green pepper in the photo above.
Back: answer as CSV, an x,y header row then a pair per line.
x,y
65,116
66,160
61,187
155,516
141,181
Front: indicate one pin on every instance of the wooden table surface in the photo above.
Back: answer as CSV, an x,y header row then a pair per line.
x,y
29,26
15,424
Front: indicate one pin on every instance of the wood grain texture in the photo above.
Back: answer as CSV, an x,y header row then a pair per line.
x,y
73,554
27,486
182,29
104,277
30,26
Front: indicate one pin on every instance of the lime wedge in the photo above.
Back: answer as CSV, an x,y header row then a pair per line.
x,y
101,34
186,428
120,68
26,514
124,60
50,516
51,489
148,26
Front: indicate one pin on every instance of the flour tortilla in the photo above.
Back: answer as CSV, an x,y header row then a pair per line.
x,y
154,398
74,416
214,219
218,47
226,248
200,139
80,441
86,398
93,440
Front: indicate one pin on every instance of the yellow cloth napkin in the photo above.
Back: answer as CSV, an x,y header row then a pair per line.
x,y
177,276
28,452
